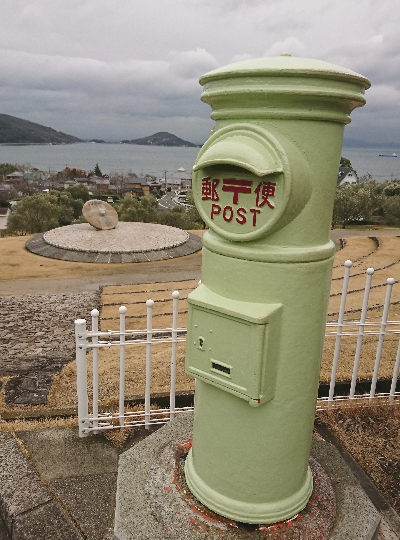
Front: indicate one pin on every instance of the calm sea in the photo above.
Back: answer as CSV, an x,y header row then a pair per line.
x,y
119,158
156,160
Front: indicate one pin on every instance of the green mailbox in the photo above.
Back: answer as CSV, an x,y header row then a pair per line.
x,y
264,183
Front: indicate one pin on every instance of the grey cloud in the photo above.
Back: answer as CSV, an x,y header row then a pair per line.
x,y
55,85
89,66
43,72
192,64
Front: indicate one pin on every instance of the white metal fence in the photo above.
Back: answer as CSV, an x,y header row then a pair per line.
x,y
93,339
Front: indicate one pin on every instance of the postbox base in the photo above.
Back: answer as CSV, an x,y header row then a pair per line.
x,y
243,511
152,502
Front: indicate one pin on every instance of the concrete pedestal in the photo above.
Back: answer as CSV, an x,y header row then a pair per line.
x,y
153,502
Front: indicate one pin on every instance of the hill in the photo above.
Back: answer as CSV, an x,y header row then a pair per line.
x,y
15,130
162,138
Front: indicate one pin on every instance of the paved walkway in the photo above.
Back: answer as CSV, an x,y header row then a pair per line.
x,y
178,269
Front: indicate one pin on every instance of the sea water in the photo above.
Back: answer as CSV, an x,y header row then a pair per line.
x,y
367,161
160,161
118,158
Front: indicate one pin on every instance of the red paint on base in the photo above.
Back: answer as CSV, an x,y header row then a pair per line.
x,y
313,523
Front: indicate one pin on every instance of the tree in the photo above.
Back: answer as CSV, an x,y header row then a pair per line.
x,y
179,217
34,214
7,168
143,209
391,189
79,191
44,211
193,215
65,209
117,180
97,171
356,202
173,218
344,162
69,208
391,210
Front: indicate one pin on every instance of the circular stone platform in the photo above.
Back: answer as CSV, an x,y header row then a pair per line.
x,y
128,242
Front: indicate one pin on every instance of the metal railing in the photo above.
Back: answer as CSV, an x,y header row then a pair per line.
x,y
93,339
360,329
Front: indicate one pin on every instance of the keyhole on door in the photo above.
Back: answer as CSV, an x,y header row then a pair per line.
x,y
201,343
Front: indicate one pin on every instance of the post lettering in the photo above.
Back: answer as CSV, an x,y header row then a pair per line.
x,y
264,191
255,211
209,189
241,212
227,213
215,210
236,186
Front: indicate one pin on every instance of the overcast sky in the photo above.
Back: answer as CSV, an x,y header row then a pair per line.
x,y
117,69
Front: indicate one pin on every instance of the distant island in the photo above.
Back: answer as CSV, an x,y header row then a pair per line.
x,y
162,138
15,130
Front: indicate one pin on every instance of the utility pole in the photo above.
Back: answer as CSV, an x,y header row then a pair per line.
x,y
165,180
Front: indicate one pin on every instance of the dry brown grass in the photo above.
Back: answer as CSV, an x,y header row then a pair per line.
x,y
41,423
63,391
372,436
355,248
367,358
134,297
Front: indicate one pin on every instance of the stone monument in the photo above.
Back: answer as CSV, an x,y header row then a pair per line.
x,y
101,215
103,239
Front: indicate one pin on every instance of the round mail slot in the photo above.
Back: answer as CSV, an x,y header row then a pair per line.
x,y
241,183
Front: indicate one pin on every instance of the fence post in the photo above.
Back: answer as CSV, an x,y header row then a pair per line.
x,y
390,282
95,355
122,310
395,375
149,304
175,299
81,376
370,273
348,265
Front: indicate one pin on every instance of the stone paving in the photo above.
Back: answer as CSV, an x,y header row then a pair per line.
x,y
37,340
113,251
127,237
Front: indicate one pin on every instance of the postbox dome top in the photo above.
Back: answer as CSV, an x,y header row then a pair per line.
x,y
285,65
283,87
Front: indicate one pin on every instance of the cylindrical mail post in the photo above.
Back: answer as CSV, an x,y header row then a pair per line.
x,y
264,183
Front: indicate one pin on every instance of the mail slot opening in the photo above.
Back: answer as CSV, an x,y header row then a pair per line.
x,y
225,168
226,370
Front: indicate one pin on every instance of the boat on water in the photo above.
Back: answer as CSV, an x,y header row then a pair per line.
x,y
388,155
